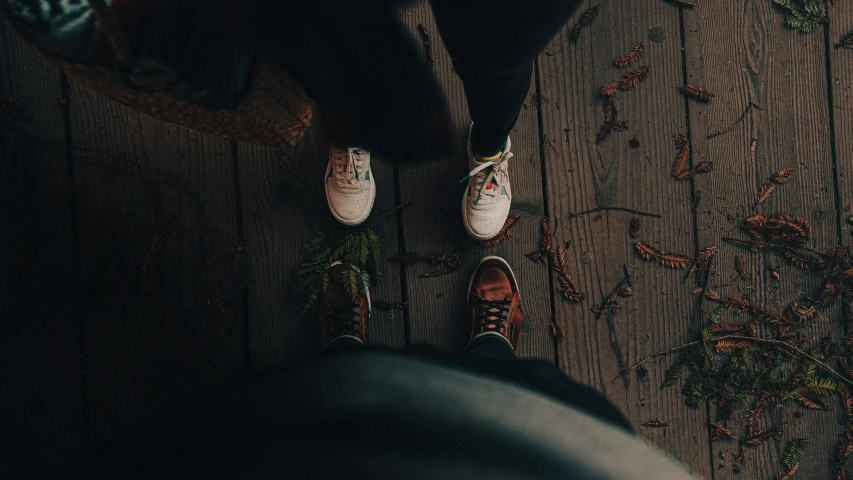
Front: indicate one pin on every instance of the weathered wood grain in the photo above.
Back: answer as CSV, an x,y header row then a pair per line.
x,y
161,297
277,223
763,62
434,223
630,169
841,108
41,410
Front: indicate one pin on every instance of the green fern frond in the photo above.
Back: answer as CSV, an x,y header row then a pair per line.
x,y
357,248
807,371
713,320
787,4
375,265
804,15
363,281
793,394
816,9
823,387
794,452
672,374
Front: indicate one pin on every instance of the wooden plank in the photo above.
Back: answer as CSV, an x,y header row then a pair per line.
x,y
582,176
784,72
277,222
40,374
434,223
162,303
841,84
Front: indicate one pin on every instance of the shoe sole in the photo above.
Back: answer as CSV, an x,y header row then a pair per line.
x,y
487,258
363,217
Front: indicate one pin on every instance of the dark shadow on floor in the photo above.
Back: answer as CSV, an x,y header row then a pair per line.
x,y
367,74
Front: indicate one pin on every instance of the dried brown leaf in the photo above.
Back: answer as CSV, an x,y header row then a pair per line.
x,y
782,176
611,115
608,89
655,423
720,432
703,167
761,437
765,192
634,227
726,328
702,259
737,302
788,473
672,260
634,78
845,42
630,57
585,19
812,403
697,93
727,345
680,163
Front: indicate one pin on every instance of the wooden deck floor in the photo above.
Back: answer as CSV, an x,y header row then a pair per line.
x,y
142,260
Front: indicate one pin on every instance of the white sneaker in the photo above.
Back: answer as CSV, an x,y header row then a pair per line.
x,y
485,205
350,189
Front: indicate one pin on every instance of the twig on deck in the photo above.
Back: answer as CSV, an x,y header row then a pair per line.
x,y
684,3
389,211
767,341
622,209
554,148
732,126
604,306
730,283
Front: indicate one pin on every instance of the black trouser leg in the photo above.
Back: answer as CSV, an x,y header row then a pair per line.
x,y
489,346
493,44
481,355
343,345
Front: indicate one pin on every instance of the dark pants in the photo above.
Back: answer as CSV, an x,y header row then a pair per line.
x,y
489,355
368,78
493,44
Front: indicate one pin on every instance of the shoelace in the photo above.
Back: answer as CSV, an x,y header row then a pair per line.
x,y
489,173
491,314
348,166
344,320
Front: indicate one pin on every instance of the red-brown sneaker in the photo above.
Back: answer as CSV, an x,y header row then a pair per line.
x,y
494,301
343,316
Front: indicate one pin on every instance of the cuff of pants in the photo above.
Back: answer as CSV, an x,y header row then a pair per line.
x,y
489,346
343,344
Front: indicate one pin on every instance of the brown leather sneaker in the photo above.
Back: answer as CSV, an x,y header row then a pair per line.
x,y
342,315
494,301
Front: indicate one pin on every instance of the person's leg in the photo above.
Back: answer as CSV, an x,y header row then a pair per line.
x,y
343,345
493,44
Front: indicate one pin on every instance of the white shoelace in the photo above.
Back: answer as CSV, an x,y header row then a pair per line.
x,y
491,172
349,166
